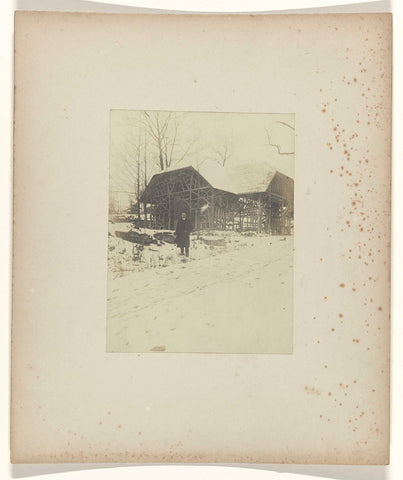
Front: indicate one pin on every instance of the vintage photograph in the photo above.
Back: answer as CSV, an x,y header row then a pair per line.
x,y
200,232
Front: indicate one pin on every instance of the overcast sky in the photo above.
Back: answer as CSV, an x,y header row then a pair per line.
x,y
202,135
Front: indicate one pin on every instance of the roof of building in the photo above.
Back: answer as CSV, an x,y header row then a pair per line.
x,y
217,176
254,177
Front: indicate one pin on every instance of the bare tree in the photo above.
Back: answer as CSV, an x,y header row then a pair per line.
x,y
153,140
224,152
145,163
276,145
145,179
138,176
164,129
133,175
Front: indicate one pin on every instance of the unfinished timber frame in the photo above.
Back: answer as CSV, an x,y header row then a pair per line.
x,y
170,193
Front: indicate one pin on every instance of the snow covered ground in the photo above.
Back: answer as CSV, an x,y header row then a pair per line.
x,y
125,257
232,298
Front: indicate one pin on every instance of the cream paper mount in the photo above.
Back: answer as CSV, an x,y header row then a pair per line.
x,y
79,393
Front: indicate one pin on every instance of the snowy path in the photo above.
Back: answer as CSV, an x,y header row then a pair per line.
x,y
233,302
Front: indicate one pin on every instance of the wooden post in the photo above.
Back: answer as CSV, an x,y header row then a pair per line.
x,y
259,215
282,217
145,214
270,211
169,211
190,201
226,207
197,216
240,216
212,213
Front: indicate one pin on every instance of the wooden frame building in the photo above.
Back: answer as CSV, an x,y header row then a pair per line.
x,y
253,197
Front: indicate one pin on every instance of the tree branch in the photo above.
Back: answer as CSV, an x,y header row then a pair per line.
x,y
277,146
286,125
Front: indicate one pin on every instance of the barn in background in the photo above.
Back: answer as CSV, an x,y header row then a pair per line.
x,y
265,199
206,195
250,197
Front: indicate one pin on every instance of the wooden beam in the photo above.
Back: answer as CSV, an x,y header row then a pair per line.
x,y
259,214
212,212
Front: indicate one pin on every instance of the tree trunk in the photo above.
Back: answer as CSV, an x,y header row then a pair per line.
x,y
138,184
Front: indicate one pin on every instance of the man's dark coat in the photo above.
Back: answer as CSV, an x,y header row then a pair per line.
x,y
183,229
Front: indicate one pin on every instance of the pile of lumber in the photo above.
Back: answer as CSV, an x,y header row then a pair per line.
x,y
167,237
136,237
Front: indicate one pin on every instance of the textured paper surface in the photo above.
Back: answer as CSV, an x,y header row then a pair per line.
x,y
328,402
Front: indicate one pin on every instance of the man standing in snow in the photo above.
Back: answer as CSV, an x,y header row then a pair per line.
x,y
183,229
